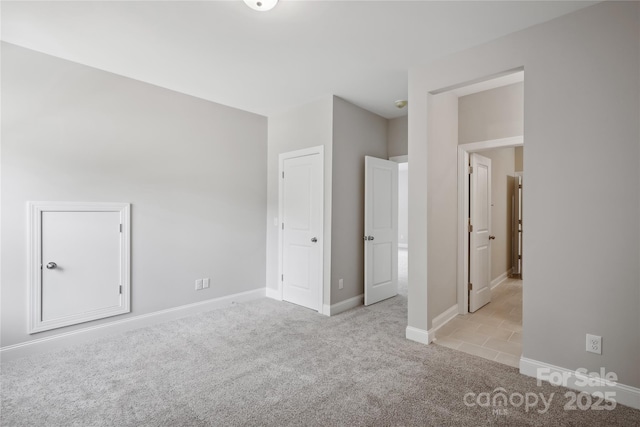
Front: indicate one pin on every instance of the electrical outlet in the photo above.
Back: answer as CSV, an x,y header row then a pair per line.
x,y
199,285
594,344
205,283
340,283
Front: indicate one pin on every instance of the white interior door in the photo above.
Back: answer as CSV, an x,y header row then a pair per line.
x,y
479,236
81,263
302,206
380,230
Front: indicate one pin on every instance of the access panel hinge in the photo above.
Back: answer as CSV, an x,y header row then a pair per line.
x,y
120,289
470,227
121,228
470,286
470,169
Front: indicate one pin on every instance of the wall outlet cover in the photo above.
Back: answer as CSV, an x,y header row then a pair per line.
x,y
594,344
198,284
205,283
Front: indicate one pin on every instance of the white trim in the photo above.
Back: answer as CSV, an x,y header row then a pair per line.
x,y
403,245
281,158
418,335
443,318
35,262
498,280
400,159
273,294
463,208
345,305
42,345
624,394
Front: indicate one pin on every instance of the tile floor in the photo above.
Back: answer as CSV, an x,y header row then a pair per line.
x,y
493,332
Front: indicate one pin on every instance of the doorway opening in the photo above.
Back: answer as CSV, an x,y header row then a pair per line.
x,y
489,285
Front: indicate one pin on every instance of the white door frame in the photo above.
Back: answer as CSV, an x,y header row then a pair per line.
x,y
463,208
281,158
35,210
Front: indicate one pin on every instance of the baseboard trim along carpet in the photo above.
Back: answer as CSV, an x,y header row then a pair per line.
x,y
342,306
42,345
418,335
581,381
273,294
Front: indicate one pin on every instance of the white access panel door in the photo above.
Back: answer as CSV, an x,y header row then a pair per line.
x,y
302,205
380,230
479,242
80,264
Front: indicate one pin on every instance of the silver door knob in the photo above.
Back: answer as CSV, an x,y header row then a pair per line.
x,y
313,239
370,237
52,265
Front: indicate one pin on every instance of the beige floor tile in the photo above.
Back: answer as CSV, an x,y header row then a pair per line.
x,y
485,320
448,342
495,332
484,352
472,337
516,337
508,359
503,346
446,330
511,325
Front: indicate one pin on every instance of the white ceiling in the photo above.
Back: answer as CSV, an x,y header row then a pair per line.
x,y
266,62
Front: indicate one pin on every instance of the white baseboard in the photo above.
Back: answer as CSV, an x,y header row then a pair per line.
x,y
65,339
342,306
273,294
498,280
442,319
418,335
624,394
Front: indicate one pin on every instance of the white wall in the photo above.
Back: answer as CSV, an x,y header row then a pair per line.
x,y
192,170
356,133
309,125
397,136
582,241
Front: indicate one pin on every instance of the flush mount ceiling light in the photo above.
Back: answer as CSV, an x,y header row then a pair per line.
x,y
261,5
401,103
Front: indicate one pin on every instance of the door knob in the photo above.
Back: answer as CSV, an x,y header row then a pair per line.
x,y
52,265
368,237
492,237
313,239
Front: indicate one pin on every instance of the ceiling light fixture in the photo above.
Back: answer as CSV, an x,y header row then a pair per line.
x,y
401,103
261,5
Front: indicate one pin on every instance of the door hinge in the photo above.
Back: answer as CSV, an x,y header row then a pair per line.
x,y
470,169
283,175
120,289
470,286
283,225
282,277
121,228
470,227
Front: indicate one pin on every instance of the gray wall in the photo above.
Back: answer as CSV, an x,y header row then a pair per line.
x,y
192,170
356,133
582,198
491,114
309,125
397,136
